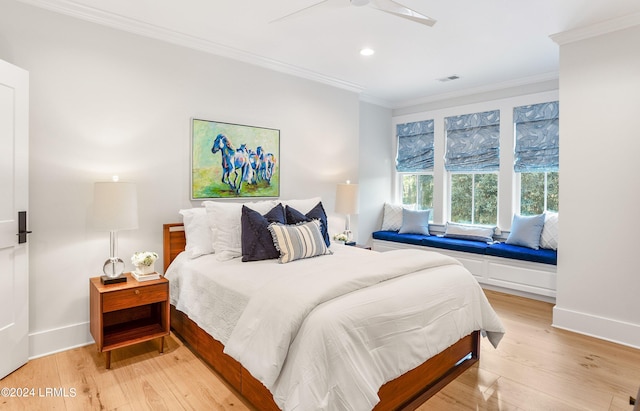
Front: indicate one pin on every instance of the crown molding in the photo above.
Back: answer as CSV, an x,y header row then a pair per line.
x,y
525,81
598,29
145,29
367,98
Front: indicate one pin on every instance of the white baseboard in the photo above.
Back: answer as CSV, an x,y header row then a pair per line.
x,y
59,339
608,329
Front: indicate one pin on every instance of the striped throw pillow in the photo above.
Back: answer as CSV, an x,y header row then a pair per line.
x,y
295,242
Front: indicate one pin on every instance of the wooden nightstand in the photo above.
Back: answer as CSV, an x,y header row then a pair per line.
x,y
128,313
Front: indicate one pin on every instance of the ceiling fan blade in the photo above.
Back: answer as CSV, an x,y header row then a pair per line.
x,y
391,7
286,16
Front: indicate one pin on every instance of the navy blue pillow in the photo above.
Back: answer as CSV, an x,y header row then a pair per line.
x,y
316,213
256,239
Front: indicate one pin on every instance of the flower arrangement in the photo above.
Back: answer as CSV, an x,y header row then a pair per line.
x,y
144,258
341,237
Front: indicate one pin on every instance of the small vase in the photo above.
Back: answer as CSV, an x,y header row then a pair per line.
x,y
145,269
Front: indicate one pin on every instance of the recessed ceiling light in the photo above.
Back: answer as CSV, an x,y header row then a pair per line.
x,y
367,51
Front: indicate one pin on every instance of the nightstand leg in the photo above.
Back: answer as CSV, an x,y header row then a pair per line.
x,y
161,345
108,359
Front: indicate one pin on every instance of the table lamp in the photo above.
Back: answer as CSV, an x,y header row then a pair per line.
x,y
115,208
347,203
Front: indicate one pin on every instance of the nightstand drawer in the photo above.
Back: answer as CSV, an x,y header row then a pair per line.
x,y
118,300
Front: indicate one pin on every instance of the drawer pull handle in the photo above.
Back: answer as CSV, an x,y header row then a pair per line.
x,y
137,292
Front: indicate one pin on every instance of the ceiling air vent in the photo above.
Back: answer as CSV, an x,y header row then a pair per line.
x,y
449,78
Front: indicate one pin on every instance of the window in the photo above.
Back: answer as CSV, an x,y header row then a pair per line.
x,y
473,160
414,163
536,156
417,191
538,192
474,198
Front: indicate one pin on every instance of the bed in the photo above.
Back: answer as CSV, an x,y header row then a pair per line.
x,y
395,382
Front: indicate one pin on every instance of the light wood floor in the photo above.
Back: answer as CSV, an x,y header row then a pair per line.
x,y
536,367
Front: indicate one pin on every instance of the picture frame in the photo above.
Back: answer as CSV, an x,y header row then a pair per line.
x,y
234,160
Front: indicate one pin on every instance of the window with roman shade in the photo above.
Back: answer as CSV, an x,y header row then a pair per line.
x,y
537,137
415,146
473,142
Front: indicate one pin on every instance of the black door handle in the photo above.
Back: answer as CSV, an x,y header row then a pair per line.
x,y
22,227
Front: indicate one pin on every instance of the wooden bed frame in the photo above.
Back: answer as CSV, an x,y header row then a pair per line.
x,y
406,392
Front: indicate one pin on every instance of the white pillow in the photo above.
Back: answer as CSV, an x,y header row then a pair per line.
x,y
197,232
391,217
469,232
549,236
304,206
224,219
415,222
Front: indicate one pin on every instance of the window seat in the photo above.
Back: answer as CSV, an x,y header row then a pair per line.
x,y
468,246
509,268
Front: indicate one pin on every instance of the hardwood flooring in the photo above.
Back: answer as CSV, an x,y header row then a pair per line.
x,y
535,367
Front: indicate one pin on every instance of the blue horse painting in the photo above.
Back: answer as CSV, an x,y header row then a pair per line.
x,y
233,160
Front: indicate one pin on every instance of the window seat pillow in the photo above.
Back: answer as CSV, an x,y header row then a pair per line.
x,y
469,232
470,246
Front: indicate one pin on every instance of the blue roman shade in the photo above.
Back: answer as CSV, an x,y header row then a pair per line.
x,y
537,137
473,142
415,146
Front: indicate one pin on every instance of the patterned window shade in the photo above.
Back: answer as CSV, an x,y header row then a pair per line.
x,y
415,146
473,142
537,137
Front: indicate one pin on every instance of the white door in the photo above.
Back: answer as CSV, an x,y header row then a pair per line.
x,y
14,191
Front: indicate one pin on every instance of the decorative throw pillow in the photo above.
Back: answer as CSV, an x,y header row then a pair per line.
x,y
526,230
391,217
295,242
469,232
257,242
316,213
415,221
197,232
224,220
549,236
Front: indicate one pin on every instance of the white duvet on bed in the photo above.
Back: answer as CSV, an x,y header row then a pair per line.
x,y
214,293
319,342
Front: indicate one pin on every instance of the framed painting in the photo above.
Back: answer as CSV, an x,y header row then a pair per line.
x,y
234,160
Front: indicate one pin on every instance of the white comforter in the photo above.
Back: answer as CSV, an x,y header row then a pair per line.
x,y
326,334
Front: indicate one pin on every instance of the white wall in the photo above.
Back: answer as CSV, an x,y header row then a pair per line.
x,y
377,159
105,102
598,277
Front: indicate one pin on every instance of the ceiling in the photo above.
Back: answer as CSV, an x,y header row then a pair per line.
x,y
489,44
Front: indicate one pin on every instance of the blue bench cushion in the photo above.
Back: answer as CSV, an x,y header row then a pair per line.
x,y
415,239
469,246
456,244
523,253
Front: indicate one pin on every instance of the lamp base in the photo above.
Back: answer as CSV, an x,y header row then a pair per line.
x,y
113,280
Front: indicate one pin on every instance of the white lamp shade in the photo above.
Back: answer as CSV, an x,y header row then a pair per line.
x,y
347,199
115,206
